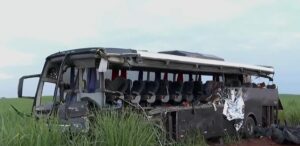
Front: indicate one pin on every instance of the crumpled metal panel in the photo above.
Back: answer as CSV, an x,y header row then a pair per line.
x,y
80,124
73,116
73,110
234,107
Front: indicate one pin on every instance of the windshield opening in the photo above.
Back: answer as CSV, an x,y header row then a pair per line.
x,y
81,77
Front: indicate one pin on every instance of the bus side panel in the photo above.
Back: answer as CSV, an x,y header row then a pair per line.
x,y
204,120
256,98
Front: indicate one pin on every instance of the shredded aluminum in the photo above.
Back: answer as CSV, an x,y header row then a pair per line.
x,y
103,65
234,107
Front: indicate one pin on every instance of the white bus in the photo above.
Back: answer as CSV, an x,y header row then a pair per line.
x,y
188,91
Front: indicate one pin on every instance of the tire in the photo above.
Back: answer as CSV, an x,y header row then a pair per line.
x,y
249,127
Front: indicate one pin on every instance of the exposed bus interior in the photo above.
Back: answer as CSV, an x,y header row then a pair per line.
x,y
152,87
148,86
145,86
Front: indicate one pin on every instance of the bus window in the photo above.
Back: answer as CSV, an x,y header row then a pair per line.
x,y
168,75
133,75
221,79
149,76
47,93
260,82
205,78
145,76
185,77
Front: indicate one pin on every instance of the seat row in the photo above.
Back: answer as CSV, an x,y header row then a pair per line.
x,y
159,91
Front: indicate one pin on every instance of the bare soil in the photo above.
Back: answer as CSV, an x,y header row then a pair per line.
x,y
251,142
257,142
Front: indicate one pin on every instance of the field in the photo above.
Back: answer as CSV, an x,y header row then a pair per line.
x,y
128,129
291,112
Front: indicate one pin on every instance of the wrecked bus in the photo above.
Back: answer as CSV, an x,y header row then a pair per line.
x,y
185,91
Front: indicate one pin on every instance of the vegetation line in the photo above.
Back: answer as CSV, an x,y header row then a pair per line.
x,y
111,128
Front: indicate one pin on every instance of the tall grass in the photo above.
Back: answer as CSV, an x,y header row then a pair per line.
x,y
110,129
291,109
17,131
114,128
124,129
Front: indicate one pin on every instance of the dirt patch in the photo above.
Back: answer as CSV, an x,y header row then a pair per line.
x,y
257,142
250,142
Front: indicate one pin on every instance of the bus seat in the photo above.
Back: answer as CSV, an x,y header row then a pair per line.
x,y
273,86
115,88
236,83
198,89
208,90
175,89
187,91
248,85
254,85
228,83
149,93
136,90
163,93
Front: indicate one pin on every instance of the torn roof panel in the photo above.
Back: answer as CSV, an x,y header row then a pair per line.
x,y
193,54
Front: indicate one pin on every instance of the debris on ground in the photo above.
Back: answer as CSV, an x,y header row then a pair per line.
x,y
280,134
257,142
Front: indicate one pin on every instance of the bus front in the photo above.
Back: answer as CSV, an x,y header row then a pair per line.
x,y
69,85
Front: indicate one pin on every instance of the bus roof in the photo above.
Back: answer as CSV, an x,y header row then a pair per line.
x,y
173,56
202,61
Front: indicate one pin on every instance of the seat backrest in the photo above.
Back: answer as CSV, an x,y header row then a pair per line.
x,y
273,86
163,87
118,84
248,85
138,86
151,86
210,87
236,83
175,87
188,87
254,85
228,83
198,87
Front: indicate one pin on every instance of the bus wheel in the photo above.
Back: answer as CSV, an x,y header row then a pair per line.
x,y
249,127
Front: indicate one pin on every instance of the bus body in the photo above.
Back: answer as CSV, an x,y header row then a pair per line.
x,y
185,91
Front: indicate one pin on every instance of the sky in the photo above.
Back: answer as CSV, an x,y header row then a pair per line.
x,y
264,32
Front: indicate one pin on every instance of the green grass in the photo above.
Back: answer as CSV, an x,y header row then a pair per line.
x,y
111,128
291,106
23,105
17,131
